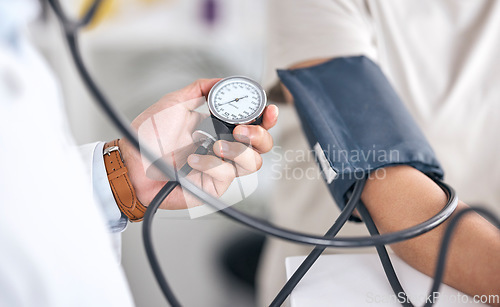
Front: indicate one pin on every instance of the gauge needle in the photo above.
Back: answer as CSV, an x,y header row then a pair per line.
x,y
234,100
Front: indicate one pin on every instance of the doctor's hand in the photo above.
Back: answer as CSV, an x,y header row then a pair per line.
x,y
166,129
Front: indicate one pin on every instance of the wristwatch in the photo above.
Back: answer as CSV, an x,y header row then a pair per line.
x,y
120,183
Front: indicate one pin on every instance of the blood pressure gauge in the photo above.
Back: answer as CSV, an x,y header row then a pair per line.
x,y
237,100
232,101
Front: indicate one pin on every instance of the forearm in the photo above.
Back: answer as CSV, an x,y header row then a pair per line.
x,y
406,197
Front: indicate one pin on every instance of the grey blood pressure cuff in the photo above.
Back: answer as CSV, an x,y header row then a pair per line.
x,y
356,123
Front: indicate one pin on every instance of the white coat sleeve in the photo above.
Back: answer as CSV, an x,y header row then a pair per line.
x,y
93,159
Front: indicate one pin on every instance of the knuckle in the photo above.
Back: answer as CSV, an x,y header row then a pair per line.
x,y
257,136
268,145
241,151
260,132
228,174
258,162
252,161
211,162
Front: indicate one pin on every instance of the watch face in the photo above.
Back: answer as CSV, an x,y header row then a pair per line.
x,y
237,100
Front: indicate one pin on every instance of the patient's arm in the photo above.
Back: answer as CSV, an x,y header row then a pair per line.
x,y
406,197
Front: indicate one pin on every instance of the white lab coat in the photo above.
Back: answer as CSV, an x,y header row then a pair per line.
x,y
55,247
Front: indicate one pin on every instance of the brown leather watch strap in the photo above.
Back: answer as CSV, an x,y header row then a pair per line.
x,y
120,183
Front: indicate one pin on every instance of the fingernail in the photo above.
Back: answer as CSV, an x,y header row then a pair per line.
x,y
276,110
224,146
243,131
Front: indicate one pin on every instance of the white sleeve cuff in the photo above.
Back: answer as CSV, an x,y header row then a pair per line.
x,y
117,222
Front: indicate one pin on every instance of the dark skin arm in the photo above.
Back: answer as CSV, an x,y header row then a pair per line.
x,y
406,197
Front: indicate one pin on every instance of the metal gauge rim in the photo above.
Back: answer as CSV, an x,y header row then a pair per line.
x,y
247,120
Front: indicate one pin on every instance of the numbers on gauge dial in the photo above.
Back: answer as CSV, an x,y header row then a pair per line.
x,y
236,101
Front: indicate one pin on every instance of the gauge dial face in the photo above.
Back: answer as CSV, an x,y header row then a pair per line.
x,y
237,100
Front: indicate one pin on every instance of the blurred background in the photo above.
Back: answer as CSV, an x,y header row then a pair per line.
x,y
139,50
